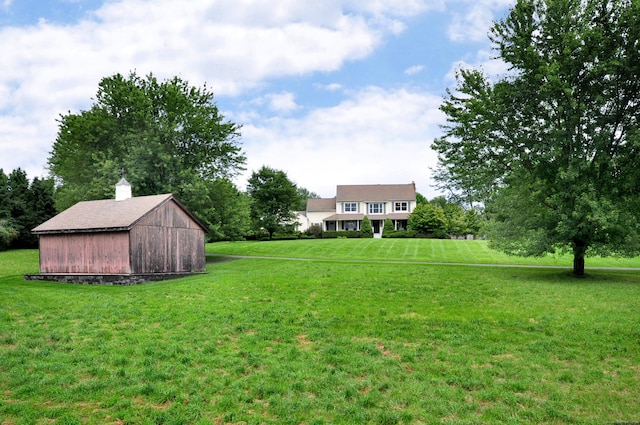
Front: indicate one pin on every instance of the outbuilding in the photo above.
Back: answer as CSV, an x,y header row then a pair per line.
x,y
125,240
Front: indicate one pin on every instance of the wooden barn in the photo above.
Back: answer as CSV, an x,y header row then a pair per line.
x,y
122,241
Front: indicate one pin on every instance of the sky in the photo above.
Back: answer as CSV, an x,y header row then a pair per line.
x,y
332,92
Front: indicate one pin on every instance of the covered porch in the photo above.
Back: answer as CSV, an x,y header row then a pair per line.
x,y
353,222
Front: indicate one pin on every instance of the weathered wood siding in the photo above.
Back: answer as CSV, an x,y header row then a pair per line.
x,y
106,253
167,241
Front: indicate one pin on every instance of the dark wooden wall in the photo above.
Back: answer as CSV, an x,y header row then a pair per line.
x,y
167,241
100,253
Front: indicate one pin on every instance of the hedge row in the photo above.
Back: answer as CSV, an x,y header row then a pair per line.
x,y
350,234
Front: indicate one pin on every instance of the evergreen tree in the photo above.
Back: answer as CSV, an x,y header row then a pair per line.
x,y
5,210
472,222
41,207
23,206
18,206
388,228
8,232
366,230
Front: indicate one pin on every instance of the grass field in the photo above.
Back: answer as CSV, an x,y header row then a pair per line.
x,y
413,250
273,341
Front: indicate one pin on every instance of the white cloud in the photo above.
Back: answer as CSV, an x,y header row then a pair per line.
x,y
473,26
401,8
231,45
238,47
484,61
375,136
415,69
282,102
333,87
472,21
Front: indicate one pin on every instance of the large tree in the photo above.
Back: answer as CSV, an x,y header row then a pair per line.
x,y
222,207
19,207
168,136
273,199
428,219
5,208
303,196
552,148
8,232
41,207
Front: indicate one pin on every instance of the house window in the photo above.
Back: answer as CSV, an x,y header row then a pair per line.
x,y
376,208
350,225
401,206
350,207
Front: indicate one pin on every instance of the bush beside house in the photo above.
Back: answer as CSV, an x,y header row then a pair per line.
x,y
366,231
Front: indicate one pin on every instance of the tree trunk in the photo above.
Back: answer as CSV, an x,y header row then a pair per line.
x,y
579,249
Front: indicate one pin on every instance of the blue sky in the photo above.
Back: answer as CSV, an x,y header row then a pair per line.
x,y
331,92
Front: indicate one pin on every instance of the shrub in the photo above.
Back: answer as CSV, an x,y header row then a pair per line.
x,y
7,234
400,234
315,230
429,219
388,228
366,231
258,235
285,236
341,234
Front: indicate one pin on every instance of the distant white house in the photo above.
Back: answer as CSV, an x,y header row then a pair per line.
x,y
353,202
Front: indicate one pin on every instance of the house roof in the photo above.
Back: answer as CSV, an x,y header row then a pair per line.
x,y
376,192
321,204
108,215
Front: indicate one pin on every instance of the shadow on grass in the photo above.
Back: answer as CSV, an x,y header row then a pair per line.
x,y
212,259
591,277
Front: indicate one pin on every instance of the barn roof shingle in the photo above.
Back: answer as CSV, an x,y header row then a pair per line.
x,y
106,215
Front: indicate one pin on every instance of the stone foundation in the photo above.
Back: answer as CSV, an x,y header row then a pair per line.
x,y
107,279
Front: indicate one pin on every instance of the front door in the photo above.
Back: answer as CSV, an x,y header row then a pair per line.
x,y
376,225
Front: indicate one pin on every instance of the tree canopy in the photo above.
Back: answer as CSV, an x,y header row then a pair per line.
x,y
23,206
168,136
428,219
303,196
273,199
366,229
552,147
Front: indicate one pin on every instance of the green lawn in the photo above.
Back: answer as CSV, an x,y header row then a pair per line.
x,y
413,250
272,341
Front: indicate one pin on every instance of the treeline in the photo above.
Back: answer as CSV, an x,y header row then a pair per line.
x,y
441,218
169,137
23,206
229,213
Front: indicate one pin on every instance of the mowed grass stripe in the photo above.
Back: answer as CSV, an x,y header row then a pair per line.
x,y
418,250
